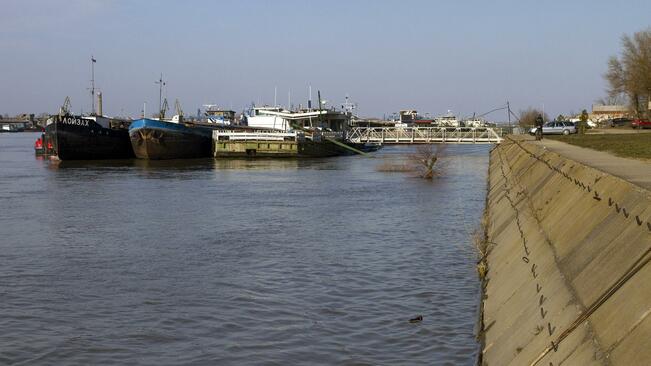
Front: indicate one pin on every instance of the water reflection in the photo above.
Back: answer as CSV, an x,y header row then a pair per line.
x,y
195,164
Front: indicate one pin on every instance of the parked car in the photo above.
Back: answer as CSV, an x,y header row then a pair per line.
x,y
641,123
556,128
618,122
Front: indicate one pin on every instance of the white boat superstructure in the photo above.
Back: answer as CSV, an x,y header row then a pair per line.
x,y
276,118
474,122
447,120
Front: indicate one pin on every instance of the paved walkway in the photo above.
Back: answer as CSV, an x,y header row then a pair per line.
x,y
635,171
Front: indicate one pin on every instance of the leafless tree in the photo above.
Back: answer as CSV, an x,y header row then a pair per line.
x,y
630,74
619,99
424,162
528,117
425,158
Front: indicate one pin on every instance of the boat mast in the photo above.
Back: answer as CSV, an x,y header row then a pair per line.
x,y
160,83
92,83
318,93
309,101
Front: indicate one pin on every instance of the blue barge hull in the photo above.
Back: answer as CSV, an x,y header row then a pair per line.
x,y
156,139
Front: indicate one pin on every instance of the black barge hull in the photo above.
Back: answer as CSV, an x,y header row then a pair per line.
x,y
82,138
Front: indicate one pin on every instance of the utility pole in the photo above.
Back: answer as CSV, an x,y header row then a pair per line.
x,y
508,112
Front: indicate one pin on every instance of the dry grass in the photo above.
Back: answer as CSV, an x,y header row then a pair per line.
x,y
389,167
480,239
422,162
637,146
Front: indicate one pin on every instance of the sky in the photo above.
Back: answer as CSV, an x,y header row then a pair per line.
x,y
433,56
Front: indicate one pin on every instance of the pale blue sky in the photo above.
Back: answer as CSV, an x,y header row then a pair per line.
x,y
467,56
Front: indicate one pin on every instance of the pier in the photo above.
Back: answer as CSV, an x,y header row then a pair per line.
x,y
425,135
228,143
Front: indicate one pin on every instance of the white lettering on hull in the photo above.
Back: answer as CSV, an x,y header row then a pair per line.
x,y
74,121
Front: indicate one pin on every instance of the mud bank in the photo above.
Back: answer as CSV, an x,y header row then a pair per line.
x,y
568,280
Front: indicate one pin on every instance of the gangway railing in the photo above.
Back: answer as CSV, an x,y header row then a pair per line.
x,y
425,135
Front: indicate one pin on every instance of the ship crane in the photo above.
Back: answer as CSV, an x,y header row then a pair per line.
x,y
179,110
66,107
163,109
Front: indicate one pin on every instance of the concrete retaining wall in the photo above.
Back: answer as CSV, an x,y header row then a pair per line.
x,y
568,279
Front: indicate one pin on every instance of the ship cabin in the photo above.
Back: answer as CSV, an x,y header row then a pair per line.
x,y
285,120
220,116
410,117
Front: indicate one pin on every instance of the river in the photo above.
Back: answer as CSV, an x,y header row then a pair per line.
x,y
238,262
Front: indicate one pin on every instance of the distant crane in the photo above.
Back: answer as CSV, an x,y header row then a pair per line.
x,y
179,110
66,107
163,109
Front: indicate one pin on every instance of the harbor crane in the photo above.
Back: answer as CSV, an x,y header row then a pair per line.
x,y
177,106
163,109
66,107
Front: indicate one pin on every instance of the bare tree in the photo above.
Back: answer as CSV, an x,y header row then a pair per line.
x,y
619,99
528,117
425,158
630,74
423,162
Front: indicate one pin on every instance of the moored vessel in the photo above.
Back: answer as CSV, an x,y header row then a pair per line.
x,y
447,120
170,139
277,144
78,137
73,137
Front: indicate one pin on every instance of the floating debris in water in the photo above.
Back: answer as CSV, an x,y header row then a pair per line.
x,y
417,319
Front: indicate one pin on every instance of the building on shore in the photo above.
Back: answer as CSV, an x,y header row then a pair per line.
x,y
602,113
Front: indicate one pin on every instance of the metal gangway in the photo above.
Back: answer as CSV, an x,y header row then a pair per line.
x,y
425,135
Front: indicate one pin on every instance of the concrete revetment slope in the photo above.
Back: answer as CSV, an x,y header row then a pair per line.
x,y
569,278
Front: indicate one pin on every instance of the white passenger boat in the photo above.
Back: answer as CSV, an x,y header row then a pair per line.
x,y
447,120
275,118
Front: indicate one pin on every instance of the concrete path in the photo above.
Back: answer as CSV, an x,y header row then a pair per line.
x,y
635,171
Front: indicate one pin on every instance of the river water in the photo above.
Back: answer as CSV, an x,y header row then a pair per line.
x,y
238,262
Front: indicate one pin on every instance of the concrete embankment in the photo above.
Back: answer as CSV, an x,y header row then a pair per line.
x,y
569,279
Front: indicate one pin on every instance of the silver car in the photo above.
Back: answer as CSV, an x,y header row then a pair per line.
x,y
556,128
